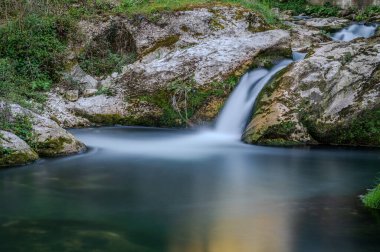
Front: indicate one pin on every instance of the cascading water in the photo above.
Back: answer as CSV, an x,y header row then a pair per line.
x,y
355,31
238,107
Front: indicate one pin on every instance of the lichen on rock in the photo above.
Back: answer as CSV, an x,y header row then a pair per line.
x,y
332,97
14,151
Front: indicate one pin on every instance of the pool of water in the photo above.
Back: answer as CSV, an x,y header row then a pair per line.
x,y
146,189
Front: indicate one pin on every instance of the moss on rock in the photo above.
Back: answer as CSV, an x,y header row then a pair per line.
x,y
52,146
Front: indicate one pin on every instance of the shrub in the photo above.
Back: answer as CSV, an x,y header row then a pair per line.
x,y
372,198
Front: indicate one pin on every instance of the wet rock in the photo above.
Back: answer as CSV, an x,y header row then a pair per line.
x,y
14,151
48,137
331,97
101,109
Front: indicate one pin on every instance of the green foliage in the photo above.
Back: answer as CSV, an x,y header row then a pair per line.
x,y
367,13
106,91
147,7
372,198
302,6
104,62
31,57
298,6
5,151
19,125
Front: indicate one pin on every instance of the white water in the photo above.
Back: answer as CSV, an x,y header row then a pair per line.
x,y
355,31
238,107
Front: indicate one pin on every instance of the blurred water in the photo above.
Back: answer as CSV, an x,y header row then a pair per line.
x,y
233,118
354,31
147,189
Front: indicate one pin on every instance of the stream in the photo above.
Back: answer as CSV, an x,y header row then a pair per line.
x,y
192,190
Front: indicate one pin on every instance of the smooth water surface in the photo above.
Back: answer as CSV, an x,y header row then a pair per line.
x,y
145,189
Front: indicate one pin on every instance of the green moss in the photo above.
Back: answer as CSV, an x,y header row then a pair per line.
x,y
372,198
53,146
278,134
363,130
17,158
166,42
178,102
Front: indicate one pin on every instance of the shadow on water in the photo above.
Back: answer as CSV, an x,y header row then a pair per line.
x,y
146,189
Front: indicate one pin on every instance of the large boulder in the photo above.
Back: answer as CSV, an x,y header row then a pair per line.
x,y
331,97
209,61
48,138
14,151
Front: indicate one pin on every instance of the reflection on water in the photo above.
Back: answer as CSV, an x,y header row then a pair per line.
x,y
141,189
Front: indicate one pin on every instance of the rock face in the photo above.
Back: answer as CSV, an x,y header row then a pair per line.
x,y
48,137
14,151
212,60
331,23
188,62
331,97
304,38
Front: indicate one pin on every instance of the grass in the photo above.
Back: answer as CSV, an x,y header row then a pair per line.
x,y
19,125
372,198
146,7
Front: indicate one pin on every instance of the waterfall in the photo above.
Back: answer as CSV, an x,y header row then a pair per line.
x,y
355,31
237,110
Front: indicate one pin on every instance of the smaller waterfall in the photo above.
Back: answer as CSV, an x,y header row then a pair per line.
x,y
233,118
355,31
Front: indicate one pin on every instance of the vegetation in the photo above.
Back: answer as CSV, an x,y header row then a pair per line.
x,y
19,125
182,99
363,130
31,54
372,198
367,13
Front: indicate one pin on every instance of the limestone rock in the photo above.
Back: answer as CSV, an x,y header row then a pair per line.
x,y
89,92
331,23
304,38
82,78
61,112
208,61
50,139
14,151
72,95
331,97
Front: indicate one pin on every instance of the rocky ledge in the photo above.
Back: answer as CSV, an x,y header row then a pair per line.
x,y
41,136
331,97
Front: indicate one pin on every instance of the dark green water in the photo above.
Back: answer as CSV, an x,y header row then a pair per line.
x,y
140,189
